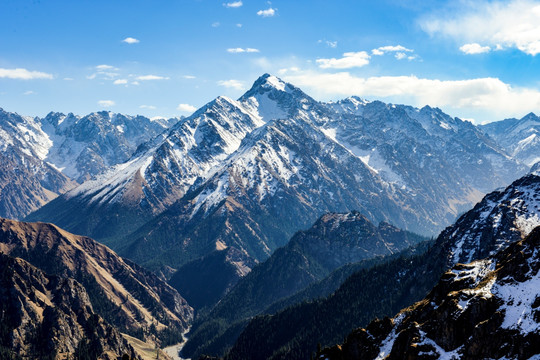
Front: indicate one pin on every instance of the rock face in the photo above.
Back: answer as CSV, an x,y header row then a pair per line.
x,y
50,317
485,309
42,158
520,137
124,294
248,173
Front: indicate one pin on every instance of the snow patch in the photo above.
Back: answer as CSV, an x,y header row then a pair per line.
x,y
518,299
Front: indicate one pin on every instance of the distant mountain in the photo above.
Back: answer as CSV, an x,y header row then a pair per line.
x,y
485,309
42,158
249,173
51,317
333,241
502,218
26,181
83,147
124,294
520,137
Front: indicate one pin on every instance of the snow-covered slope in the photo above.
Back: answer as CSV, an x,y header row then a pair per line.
x,y
485,309
501,218
520,137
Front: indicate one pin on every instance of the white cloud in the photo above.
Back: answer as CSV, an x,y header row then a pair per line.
x,y
68,79
242,50
490,98
390,48
238,25
513,24
106,103
267,13
215,24
232,84
29,92
349,60
151,77
104,67
130,40
400,55
234,4
186,108
120,82
23,74
189,77
474,48
149,107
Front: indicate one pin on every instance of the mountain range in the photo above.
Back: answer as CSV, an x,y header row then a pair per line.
x,y
45,157
519,137
277,217
248,173
333,241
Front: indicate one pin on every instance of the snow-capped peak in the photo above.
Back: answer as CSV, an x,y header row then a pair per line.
x,y
269,82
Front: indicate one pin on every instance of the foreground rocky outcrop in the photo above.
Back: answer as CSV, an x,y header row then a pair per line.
x,y
486,309
127,296
51,317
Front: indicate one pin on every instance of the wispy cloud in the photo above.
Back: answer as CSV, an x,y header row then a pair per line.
x,y
148,107
474,48
105,72
234,4
186,108
189,77
106,103
233,84
489,96
23,74
151,77
242,50
267,13
68,79
29,92
105,67
389,48
216,24
349,60
509,24
130,40
120,82
332,44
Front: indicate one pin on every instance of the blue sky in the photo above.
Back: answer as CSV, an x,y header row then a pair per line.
x,y
474,59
